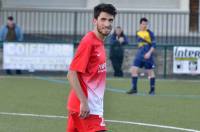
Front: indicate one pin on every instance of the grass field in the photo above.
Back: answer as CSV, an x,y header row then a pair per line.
x,y
37,104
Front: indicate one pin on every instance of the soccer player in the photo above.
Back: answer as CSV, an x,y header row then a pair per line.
x,y
87,75
144,57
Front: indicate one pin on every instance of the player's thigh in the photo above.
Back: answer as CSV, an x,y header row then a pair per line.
x,y
94,123
71,123
137,63
149,67
149,64
134,70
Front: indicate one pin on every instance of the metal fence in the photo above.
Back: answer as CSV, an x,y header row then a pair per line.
x,y
39,25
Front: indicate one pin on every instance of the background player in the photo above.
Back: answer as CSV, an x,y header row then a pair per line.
x,y
87,75
144,57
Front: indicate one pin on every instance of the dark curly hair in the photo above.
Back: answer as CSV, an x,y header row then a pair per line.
x,y
143,19
108,8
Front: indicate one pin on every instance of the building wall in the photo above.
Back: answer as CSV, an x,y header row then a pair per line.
x,y
63,21
63,4
142,4
80,21
125,4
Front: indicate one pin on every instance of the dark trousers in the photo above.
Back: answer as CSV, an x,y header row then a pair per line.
x,y
117,66
116,57
9,72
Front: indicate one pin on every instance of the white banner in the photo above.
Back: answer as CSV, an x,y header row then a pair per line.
x,y
186,60
37,56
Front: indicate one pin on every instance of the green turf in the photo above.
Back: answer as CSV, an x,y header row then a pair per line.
x,y
176,103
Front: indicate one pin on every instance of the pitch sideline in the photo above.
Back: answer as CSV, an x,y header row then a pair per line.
x,y
111,121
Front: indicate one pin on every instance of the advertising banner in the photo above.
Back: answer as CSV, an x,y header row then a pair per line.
x,y
37,56
186,60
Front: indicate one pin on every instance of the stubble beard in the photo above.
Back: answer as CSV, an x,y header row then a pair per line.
x,y
103,34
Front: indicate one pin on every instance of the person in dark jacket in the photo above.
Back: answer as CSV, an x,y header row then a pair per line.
x,y
117,41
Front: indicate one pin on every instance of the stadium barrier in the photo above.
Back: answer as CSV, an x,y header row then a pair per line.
x,y
164,59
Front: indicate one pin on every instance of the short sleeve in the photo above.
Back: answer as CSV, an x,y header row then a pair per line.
x,y
82,55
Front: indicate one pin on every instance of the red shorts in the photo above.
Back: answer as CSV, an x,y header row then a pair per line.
x,y
92,123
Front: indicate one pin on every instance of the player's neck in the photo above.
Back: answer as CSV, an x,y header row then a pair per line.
x,y
143,30
99,35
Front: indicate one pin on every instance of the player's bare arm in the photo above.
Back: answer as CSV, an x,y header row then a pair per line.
x,y
74,82
148,54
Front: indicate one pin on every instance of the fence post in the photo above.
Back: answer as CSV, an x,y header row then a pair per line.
x,y
165,62
167,28
1,12
1,17
0,4
75,26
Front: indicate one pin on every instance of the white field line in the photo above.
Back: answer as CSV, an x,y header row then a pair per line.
x,y
111,121
108,78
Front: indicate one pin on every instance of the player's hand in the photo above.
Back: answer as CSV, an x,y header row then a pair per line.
x,y
147,55
84,109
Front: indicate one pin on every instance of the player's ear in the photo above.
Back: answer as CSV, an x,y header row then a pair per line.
x,y
94,21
